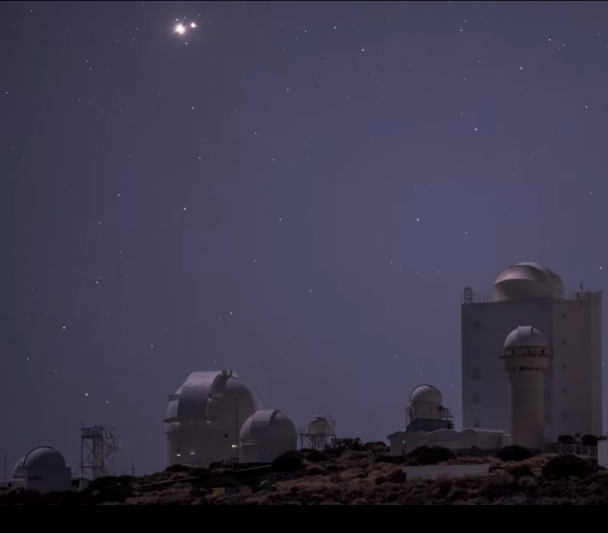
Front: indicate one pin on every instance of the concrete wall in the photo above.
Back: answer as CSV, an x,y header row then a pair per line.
x,y
445,471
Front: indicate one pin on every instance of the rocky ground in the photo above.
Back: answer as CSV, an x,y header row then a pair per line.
x,y
347,477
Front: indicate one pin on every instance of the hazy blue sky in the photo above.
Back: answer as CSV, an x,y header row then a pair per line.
x,y
298,191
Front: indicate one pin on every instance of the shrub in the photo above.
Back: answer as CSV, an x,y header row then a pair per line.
x,y
113,494
177,468
519,471
315,456
565,466
223,482
375,447
513,454
101,483
343,445
288,462
566,440
125,480
430,455
589,440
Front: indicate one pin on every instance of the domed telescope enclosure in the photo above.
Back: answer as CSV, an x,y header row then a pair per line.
x,y
426,411
205,416
265,436
527,355
43,470
527,281
318,434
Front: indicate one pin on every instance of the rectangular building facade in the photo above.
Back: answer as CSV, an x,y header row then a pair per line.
x,y
573,384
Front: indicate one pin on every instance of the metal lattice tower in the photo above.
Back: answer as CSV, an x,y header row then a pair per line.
x,y
99,452
318,434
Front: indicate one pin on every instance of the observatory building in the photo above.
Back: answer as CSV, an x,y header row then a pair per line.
x,y
205,416
318,434
527,356
531,293
429,423
43,470
426,411
265,436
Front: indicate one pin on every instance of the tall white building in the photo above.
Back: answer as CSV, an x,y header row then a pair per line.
x,y
530,293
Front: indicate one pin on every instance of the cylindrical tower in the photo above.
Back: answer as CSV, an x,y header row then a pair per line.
x,y
527,355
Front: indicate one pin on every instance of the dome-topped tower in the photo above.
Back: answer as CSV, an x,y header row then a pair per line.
x,y
527,355
527,281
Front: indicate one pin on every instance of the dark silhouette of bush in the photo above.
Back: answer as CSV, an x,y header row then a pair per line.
x,y
375,447
391,459
102,483
337,446
112,494
223,482
315,456
566,466
519,471
125,480
70,497
24,497
430,455
566,440
589,440
513,454
177,468
288,462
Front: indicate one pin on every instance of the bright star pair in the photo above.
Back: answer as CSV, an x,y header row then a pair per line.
x,y
181,29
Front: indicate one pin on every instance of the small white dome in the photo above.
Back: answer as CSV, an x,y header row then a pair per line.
x,y
266,435
426,394
318,422
268,424
44,457
526,337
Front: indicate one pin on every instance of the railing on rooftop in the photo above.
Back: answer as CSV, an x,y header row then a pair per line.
x,y
472,297
574,449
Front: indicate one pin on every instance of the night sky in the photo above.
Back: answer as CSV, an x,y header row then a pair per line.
x,y
298,191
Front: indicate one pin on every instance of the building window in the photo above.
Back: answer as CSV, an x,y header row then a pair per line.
x,y
476,398
477,422
476,373
548,395
476,325
565,416
542,352
529,352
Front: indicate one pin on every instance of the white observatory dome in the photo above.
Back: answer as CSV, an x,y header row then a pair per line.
x,y
43,470
526,337
265,436
204,417
426,394
318,422
527,281
44,457
425,403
